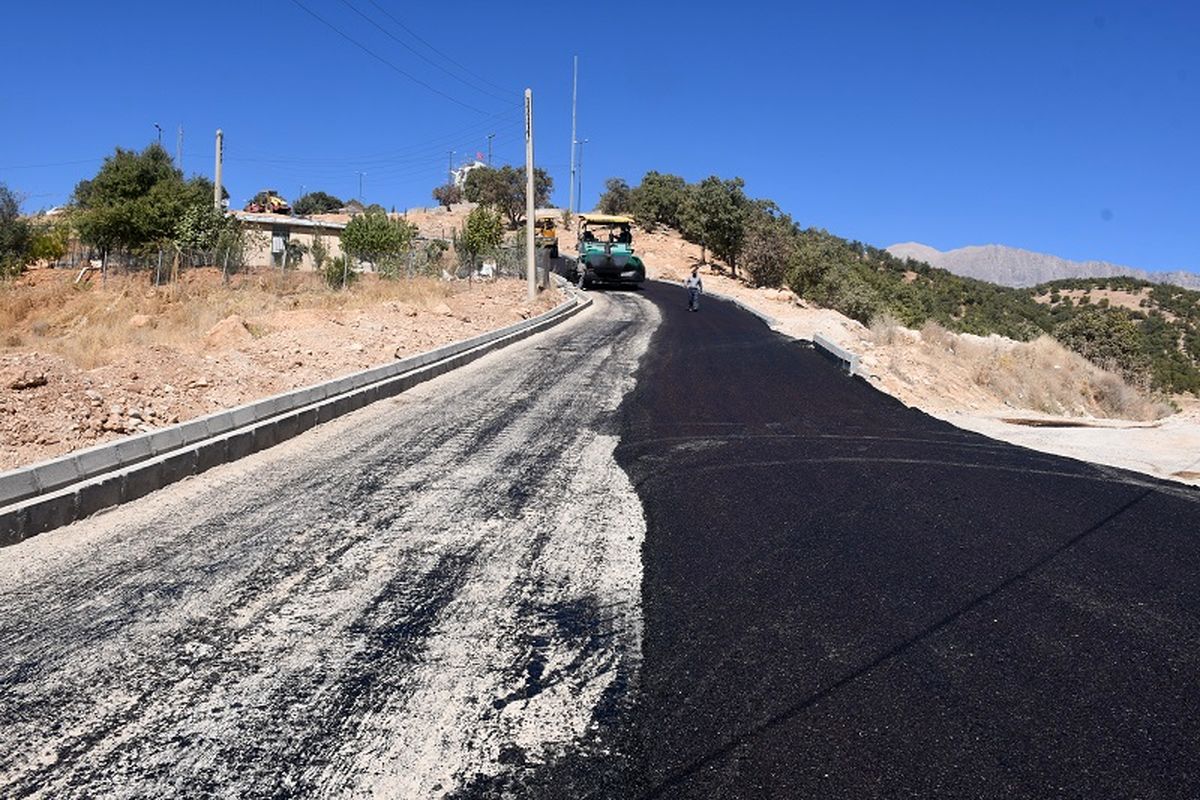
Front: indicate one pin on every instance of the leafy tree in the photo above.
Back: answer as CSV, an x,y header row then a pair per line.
x,y
714,216
504,190
658,200
316,203
135,200
373,236
15,235
767,250
482,233
49,240
198,228
616,197
447,195
1109,339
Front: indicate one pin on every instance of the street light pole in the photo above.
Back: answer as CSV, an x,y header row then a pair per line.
x,y
579,194
490,137
574,96
158,128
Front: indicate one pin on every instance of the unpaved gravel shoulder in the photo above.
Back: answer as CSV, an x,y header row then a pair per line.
x,y
436,588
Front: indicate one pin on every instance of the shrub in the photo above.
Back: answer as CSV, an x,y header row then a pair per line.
x,y
447,195
885,329
339,273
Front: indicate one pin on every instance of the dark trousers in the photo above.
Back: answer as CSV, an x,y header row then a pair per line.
x,y
693,299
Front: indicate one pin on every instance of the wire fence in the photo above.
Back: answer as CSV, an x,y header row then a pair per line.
x,y
426,257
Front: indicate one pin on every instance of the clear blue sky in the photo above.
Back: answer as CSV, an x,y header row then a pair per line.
x,y
1066,127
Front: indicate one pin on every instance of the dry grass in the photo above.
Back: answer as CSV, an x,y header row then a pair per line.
x,y
1044,376
91,324
884,329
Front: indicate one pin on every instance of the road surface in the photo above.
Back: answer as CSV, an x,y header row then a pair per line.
x,y
648,554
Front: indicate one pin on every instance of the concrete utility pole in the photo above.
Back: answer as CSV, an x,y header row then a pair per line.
x,y
217,170
179,149
360,191
450,168
490,137
530,272
574,96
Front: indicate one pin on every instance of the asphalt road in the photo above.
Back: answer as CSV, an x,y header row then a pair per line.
x,y
843,597
648,554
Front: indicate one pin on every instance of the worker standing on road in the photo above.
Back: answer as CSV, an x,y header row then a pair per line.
x,y
695,288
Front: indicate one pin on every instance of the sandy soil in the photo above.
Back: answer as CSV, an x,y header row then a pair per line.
x,y
51,403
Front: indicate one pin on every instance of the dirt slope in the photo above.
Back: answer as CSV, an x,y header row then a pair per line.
x,y
80,366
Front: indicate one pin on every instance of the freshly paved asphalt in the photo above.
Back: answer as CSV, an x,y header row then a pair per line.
x,y
844,597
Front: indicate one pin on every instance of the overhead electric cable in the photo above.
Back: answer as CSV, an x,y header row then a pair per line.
x,y
383,60
422,56
56,164
415,148
416,36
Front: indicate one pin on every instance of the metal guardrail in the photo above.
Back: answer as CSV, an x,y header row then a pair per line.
x,y
52,493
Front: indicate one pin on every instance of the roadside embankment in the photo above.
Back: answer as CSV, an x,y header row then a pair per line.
x,y
84,365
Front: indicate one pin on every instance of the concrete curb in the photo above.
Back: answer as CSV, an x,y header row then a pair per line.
x,y
54,493
837,353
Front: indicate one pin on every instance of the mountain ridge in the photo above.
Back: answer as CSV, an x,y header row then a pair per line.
x,y
1017,267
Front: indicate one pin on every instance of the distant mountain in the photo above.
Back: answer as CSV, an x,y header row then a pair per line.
x,y
1011,266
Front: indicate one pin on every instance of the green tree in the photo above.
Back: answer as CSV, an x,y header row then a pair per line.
x,y
713,215
447,195
482,233
375,237
316,203
657,200
135,200
616,197
198,227
49,240
767,249
504,190
1107,338
15,235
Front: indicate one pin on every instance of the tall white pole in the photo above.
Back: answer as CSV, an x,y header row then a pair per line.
x,y
217,170
530,272
574,97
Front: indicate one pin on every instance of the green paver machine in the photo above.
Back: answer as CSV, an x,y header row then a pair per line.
x,y
606,251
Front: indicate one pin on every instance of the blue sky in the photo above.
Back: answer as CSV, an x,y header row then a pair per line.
x,y
1065,127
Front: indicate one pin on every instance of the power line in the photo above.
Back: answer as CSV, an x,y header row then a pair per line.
x,y
416,36
411,152
419,54
55,164
383,60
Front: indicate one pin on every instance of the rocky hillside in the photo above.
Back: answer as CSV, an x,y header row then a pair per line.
x,y
1012,266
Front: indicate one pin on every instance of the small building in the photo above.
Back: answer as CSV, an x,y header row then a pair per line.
x,y
272,233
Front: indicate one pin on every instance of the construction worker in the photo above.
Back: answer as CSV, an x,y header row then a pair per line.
x,y
695,288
